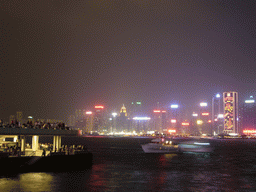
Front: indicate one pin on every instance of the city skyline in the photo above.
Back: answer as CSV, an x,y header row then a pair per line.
x,y
58,57
147,109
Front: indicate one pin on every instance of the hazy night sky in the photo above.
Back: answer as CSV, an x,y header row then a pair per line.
x,y
57,56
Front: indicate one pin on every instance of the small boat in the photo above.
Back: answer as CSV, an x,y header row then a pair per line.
x,y
160,145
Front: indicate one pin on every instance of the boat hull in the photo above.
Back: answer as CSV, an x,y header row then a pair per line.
x,y
157,148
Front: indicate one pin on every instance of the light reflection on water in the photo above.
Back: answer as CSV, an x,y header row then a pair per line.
x,y
28,182
225,170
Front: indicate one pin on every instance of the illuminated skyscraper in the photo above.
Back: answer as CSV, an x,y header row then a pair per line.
x,y
247,116
230,104
99,121
123,111
89,117
80,114
122,120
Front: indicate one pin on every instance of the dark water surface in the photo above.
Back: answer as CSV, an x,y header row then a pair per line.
x,y
121,165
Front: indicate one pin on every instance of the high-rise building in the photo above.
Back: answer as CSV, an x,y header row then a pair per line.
x,y
122,120
230,106
216,122
71,121
157,121
135,109
247,116
80,114
99,119
89,120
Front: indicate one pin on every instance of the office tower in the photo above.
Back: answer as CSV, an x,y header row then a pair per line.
x,y
230,107
247,116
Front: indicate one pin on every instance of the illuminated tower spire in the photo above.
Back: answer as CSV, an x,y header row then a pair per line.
x,y
123,110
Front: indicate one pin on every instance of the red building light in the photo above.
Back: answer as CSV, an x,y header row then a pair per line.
x,y
99,107
249,132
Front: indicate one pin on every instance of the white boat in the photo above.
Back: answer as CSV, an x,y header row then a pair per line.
x,y
164,145
160,145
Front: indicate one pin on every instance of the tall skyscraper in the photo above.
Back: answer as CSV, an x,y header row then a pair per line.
x,y
99,120
122,120
247,116
230,103
89,117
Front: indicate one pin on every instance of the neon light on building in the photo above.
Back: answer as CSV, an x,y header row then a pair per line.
x,y
185,124
141,118
199,122
88,112
205,114
230,100
99,107
172,131
173,120
203,104
249,132
174,106
250,101
156,111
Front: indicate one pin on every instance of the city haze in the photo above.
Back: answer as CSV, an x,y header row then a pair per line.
x,y
60,56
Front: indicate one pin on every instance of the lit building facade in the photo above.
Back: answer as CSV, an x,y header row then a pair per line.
x,y
230,107
217,122
157,121
79,114
89,119
247,115
122,120
99,119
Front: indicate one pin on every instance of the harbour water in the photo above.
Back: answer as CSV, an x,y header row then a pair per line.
x,y
119,164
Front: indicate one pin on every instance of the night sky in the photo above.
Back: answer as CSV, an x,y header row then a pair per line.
x,y
57,56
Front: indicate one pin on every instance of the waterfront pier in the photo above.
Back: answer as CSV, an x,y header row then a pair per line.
x,y
21,133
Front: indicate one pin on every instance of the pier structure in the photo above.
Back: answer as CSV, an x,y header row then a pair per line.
x,y
36,133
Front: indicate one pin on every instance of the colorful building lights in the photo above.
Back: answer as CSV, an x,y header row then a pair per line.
x,y
99,107
141,118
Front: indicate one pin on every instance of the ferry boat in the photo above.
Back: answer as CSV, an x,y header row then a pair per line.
x,y
160,145
177,145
